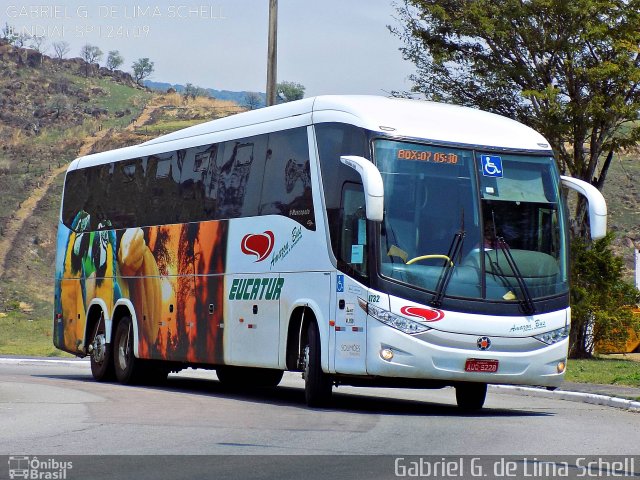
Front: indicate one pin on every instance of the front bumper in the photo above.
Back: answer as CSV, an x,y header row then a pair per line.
x,y
522,360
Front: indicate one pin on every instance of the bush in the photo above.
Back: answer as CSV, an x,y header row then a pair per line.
x,y
600,298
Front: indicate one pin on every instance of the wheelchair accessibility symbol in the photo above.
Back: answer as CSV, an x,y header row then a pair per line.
x,y
491,165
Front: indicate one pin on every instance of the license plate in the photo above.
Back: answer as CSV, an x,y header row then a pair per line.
x,y
483,366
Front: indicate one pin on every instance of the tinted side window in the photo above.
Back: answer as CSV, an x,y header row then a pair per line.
x,y
162,189
210,202
75,197
239,178
334,140
127,184
240,171
196,163
100,191
286,189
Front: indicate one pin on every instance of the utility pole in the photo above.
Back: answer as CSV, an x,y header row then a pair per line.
x,y
272,53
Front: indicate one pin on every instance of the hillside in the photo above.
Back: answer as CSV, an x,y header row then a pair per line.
x,y
622,192
237,97
52,111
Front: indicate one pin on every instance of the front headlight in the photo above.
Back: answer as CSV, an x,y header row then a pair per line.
x,y
396,321
553,336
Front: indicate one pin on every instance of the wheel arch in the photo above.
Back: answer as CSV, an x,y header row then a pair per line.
x,y
124,308
301,315
97,310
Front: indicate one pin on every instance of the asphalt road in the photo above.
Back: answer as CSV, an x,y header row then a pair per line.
x,y
57,409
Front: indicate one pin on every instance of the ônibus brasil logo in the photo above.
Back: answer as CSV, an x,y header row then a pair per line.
x,y
424,314
34,468
258,244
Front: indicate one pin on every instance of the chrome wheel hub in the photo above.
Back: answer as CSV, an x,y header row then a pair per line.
x,y
98,348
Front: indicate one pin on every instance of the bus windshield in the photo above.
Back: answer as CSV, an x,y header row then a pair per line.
x,y
492,223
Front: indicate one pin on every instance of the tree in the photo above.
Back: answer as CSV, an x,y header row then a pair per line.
x,y
39,44
8,33
90,54
253,100
289,91
192,91
61,49
143,68
570,70
600,298
60,103
21,40
114,60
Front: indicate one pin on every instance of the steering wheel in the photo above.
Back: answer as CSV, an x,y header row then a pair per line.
x,y
427,257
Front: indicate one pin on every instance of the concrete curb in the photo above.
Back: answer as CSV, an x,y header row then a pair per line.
x,y
582,397
42,361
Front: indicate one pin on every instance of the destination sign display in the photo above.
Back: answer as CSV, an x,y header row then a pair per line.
x,y
430,156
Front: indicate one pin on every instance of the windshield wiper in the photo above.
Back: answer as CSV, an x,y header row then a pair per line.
x,y
527,304
445,277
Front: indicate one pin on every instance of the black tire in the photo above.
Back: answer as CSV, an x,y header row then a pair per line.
x,y
129,369
317,384
246,377
471,396
269,378
101,357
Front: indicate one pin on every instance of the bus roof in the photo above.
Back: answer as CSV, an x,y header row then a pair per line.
x,y
432,121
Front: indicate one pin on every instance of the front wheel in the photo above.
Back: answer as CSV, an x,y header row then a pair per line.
x,y
471,396
128,368
317,384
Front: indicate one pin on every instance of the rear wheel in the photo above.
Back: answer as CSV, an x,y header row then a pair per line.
x,y
100,354
471,396
317,384
247,377
129,369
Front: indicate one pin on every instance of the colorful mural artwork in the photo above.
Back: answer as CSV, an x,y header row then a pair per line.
x,y
173,275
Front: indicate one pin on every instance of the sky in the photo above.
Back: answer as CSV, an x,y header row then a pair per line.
x,y
329,46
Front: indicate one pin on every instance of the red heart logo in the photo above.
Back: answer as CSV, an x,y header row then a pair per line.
x,y
425,314
258,244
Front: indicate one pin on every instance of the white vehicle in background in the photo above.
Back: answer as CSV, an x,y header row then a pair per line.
x,y
360,240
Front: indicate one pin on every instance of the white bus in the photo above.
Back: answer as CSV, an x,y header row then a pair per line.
x,y
360,240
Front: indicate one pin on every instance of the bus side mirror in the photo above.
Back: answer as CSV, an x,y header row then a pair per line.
x,y
372,184
597,205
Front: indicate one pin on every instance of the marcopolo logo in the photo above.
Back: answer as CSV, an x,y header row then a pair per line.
x,y
256,289
258,244
484,343
424,314
37,469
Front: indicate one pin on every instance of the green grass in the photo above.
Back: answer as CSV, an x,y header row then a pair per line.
x,y
117,97
604,371
22,335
